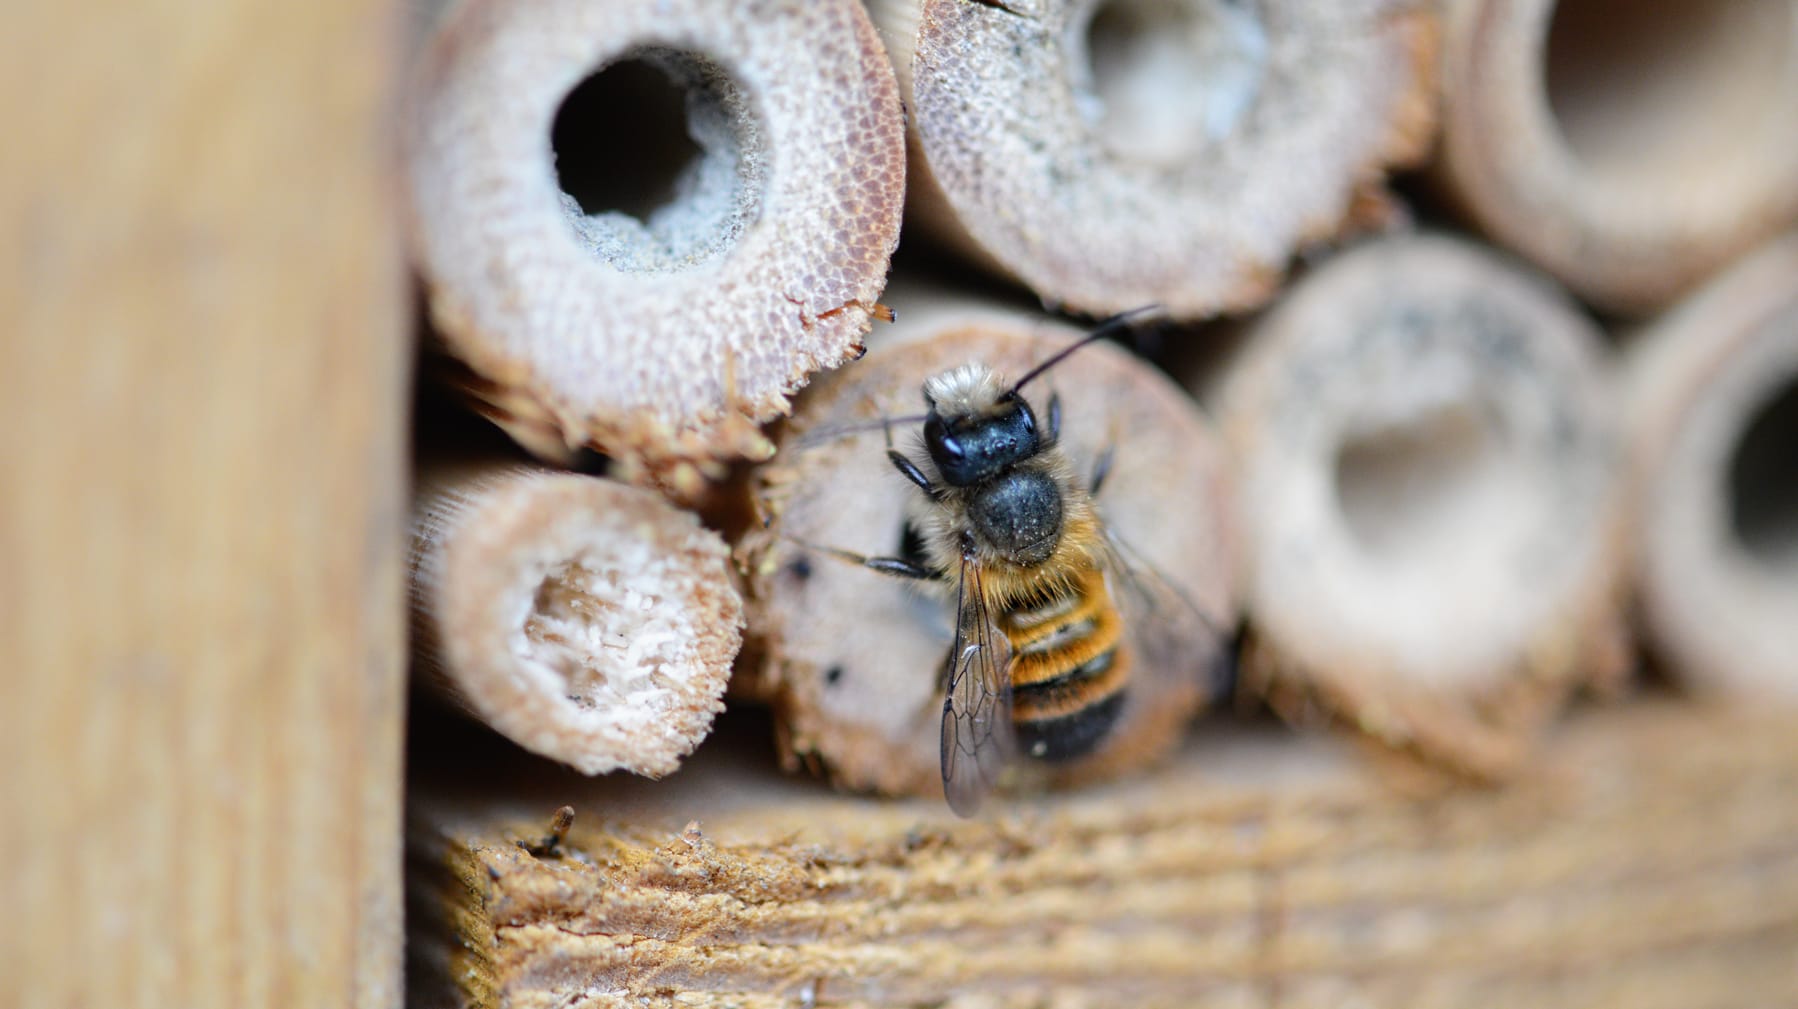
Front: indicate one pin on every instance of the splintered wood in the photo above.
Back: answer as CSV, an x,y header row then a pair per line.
x,y
1655,865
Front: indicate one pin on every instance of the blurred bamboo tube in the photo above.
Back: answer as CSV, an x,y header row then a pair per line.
x,y
852,659
643,225
1714,446
1111,153
587,621
1430,501
1629,151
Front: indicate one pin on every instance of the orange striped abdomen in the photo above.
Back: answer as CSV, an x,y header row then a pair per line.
x,y
1068,668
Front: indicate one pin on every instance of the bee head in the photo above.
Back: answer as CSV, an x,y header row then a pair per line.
x,y
971,447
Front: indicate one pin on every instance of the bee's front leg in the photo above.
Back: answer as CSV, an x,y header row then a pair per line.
x,y
914,474
898,567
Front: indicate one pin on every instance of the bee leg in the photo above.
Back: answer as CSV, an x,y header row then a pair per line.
x,y
898,567
914,474
1054,417
906,466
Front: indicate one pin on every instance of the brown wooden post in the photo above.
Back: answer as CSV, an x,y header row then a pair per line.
x,y
203,376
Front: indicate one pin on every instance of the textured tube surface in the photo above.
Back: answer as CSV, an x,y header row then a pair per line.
x,y
1109,155
656,318
853,659
1629,155
1429,483
1714,445
585,620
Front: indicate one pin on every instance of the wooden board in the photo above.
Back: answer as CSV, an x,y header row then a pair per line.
x,y
202,402
1650,859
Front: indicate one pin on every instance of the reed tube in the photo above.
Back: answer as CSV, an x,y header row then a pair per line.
x,y
1113,153
1714,451
1630,151
643,225
585,620
853,659
1429,492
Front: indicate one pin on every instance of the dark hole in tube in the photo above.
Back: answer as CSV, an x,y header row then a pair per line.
x,y
621,140
1763,481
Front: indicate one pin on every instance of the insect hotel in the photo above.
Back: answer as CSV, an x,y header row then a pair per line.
x,y
812,503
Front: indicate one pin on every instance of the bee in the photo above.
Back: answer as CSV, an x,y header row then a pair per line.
x,y
1041,664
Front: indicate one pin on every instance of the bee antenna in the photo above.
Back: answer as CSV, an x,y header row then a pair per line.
x,y
811,438
1116,323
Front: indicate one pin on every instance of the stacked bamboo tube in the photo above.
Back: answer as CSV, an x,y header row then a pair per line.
x,y
1433,524
642,225
1431,488
852,658
1714,462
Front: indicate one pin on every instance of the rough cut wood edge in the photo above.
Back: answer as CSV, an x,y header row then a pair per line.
x,y
203,385
1430,490
573,336
1617,235
851,659
585,620
1721,617
1651,863
1007,167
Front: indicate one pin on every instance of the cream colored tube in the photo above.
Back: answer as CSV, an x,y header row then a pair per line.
x,y
1714,448
643,224
585,620
853,659
1112,153
1630,150
1430,500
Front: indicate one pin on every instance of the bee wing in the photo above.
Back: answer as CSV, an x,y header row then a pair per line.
x,y
977,734
1162,617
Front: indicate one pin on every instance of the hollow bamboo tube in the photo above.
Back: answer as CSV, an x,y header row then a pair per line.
x,y
853,659
1654,867
1429,492
1631,153
585,620
614,278
1111,153
1714,450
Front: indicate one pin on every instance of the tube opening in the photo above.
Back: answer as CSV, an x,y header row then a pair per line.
x,y
596,623
1762,488
1660,88
658,161
1421,489
1161,80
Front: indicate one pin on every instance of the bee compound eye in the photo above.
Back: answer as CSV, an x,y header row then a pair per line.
x,y
941,443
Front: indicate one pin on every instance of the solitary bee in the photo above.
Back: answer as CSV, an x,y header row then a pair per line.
x,y
1041,663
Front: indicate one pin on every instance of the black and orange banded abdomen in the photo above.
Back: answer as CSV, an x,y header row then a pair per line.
x,y
1068,669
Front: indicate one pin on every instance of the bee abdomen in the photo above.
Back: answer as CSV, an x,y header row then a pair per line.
x,y
1068,715
1068,670
1071,735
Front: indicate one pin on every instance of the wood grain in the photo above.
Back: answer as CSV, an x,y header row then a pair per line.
x,y
1648,859
203,381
